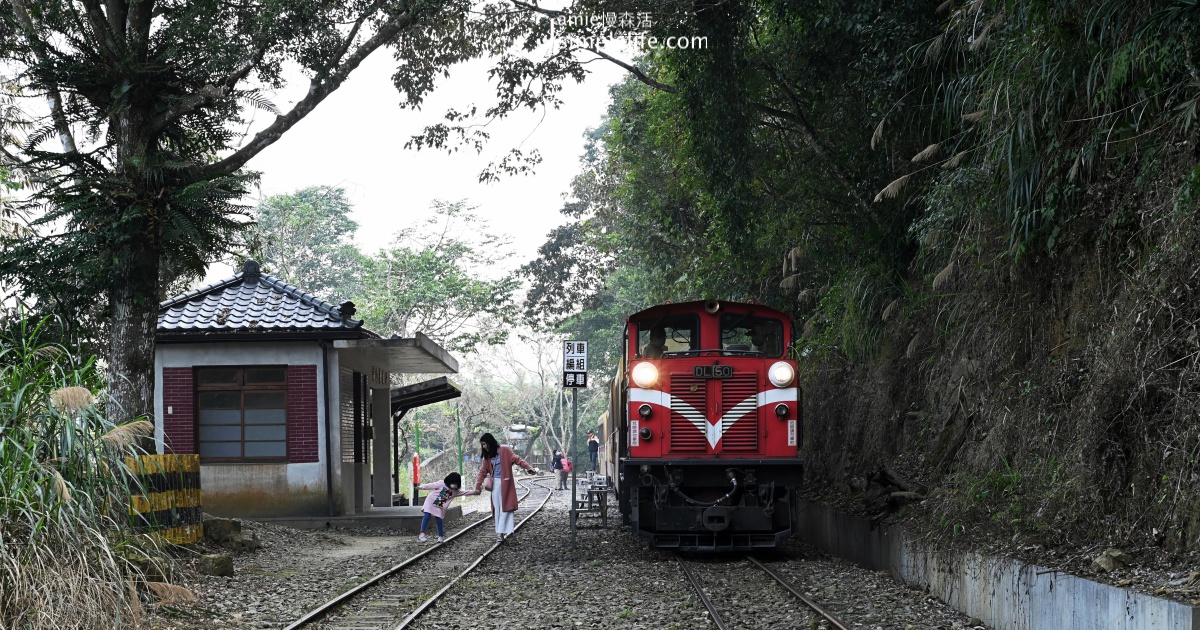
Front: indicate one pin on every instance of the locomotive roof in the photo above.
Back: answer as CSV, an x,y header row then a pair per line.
x,y
698,305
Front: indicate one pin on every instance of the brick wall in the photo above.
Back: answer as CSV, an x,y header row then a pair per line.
x,y
179,426
302,414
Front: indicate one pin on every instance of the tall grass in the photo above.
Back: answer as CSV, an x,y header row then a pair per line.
x,y
65,542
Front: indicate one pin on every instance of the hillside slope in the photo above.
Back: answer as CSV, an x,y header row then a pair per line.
x,y
1051,401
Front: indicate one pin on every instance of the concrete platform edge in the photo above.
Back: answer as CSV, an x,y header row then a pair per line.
x,y
1005,594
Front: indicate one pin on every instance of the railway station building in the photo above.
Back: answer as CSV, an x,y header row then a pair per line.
x,y
286,398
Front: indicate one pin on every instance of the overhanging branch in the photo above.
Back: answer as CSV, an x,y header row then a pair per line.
x,y
319,88
635,71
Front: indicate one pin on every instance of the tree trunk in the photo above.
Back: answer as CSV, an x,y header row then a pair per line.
x,y
133,294
134,319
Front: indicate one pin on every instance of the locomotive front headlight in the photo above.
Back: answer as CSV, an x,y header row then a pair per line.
x,y
644,411
781,410
645,375
781,374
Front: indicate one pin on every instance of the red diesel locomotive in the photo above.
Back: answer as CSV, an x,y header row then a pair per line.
x,y
703,427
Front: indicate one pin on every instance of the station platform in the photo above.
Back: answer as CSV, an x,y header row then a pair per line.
x,y
406,517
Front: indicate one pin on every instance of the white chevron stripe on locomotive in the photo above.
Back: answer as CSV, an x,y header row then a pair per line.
x,y
712,431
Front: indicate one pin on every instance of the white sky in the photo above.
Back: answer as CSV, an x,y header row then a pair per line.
x,y
355,139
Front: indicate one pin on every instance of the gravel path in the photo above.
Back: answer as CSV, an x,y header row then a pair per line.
x,y
536,580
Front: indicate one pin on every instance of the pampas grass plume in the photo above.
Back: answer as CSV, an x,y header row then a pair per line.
x,y
891,309
943,276
981,39
935,46
127,434
71,399
170,593
60,486
810,327
913,346
925,153
892,189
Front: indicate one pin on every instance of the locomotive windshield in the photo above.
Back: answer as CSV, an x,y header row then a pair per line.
x,y
751,334
669,333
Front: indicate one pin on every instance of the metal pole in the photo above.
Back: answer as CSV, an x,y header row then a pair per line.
x,y
458,428
574,462
416,457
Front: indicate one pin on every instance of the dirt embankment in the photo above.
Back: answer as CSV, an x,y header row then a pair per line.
x,y
1045,404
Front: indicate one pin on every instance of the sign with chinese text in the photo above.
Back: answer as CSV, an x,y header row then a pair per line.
x,y
574,364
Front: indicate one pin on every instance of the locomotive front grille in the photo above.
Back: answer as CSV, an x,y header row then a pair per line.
x,y
685,437
739,400
739,405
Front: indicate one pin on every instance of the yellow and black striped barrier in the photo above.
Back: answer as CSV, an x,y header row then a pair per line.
x,y
165,497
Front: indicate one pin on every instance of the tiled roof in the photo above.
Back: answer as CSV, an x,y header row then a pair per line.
x,y
252,301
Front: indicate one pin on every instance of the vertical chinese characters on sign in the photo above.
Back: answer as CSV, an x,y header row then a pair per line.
x,y
574,364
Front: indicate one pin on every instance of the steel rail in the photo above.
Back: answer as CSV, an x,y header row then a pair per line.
x,y
321,611
791,589
445,589
712,610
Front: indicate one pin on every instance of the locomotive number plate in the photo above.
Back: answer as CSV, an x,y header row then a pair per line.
x,y
712,371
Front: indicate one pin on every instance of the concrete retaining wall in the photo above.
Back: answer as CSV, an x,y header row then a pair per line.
x,y
1005,594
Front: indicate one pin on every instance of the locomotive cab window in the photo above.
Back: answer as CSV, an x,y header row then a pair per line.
x,y
242,413
671,333
751,334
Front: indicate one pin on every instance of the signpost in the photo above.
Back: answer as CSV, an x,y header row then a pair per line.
x,y
574,377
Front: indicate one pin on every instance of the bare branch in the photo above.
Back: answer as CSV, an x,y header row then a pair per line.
x,y
100,27
810,137
137,30
54,96
636,72
118,12
186,105
318,89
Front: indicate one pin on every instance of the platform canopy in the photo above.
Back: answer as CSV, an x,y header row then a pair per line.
x,y
418,355
423,393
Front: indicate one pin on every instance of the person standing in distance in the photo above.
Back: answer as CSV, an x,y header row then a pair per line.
x,y
556,461
497,470
593,450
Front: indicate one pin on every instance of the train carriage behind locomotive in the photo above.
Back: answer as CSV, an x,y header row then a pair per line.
x,y
703,428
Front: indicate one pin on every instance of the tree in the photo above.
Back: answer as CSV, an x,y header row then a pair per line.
x,y
306,238
715,163
433,280
146,100
522,384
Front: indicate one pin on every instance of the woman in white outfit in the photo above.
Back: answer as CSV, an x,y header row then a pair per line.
x,y
497,470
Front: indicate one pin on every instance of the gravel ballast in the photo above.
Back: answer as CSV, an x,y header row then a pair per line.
x,y
536,580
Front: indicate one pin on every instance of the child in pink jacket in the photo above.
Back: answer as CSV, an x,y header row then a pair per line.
x,y
441,495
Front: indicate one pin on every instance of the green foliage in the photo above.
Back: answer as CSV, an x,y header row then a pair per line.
x,y
715,164
306,238
135,167
1051,97
435,280
846,321
63,495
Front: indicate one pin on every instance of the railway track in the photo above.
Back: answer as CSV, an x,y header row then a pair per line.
x,y
728,582
397,596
